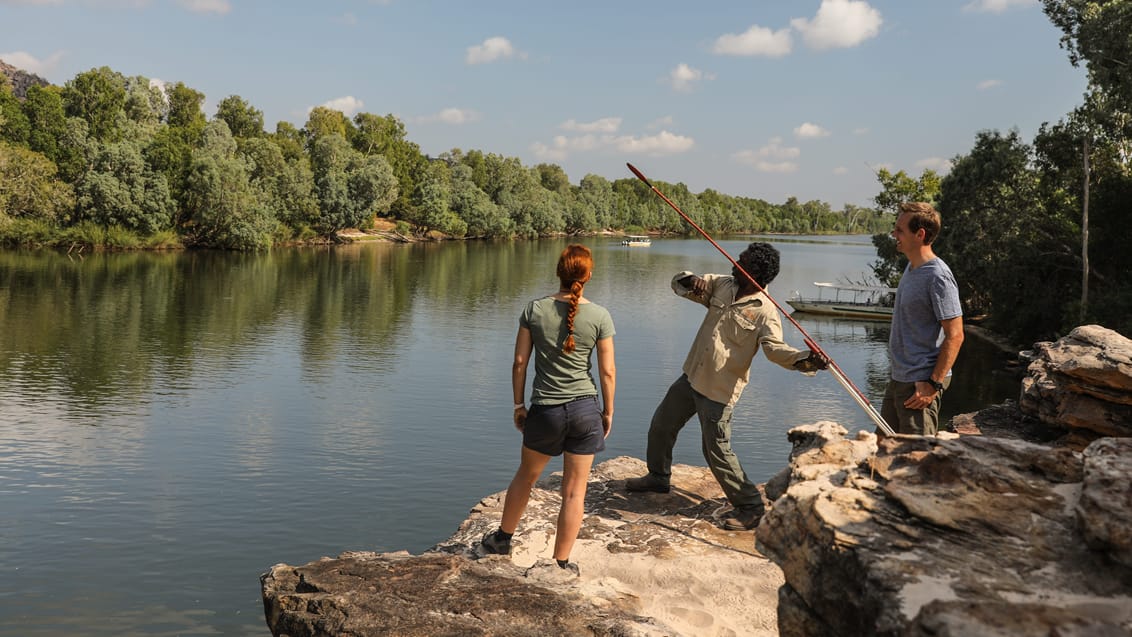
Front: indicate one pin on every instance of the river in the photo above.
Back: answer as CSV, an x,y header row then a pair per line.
x,y
176,423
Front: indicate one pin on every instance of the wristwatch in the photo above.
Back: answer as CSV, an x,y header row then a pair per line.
x,y
936,384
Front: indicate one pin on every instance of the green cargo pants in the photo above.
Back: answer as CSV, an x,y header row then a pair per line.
x,y
674,411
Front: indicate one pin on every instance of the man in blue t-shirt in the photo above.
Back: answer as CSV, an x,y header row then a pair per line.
x,y
927,326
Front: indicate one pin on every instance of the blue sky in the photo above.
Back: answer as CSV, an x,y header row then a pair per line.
x,y
766,99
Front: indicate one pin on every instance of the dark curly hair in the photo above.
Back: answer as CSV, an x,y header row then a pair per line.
x,y
760,260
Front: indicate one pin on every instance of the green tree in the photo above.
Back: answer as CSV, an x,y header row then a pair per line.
x,y
120,189
553,178
225,210
595,197
386,136
898,188
28,187
286,187
243,119
435,197
351,187
1004,240
185,108
14,125
1095,32
322,122
483,217
47,119
145,103
98,97
290,141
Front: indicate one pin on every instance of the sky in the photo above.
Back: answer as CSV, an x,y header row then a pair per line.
x,y
767,99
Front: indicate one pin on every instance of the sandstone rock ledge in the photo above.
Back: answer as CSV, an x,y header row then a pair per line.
x,y
951,537
651,565
957,536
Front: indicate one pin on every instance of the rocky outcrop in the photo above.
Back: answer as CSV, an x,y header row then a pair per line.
x,y
966,536
1082,381
651,565
21,80
1024,532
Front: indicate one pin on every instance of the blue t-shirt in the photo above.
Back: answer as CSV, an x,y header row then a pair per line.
x,y
926,295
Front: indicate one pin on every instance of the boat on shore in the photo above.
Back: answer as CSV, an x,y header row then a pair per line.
x,y
636,241
871,302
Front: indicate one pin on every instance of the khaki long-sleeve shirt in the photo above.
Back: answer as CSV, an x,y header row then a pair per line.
x,y
731,334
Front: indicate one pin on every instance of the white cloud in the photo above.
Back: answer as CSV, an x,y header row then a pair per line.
x,y
603,125
841,170
988,84
562,146
663,143
810,131
861,131
206,6
491,50
348,104
684,78
771,158
775,149
997,6
839,24
458,116
542,151
755,41
28,62
660,122
454,116
348,19
938,164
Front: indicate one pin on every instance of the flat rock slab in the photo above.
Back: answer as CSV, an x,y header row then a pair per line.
x,y
651,564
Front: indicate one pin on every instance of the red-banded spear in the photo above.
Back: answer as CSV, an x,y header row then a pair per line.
x,y
857,395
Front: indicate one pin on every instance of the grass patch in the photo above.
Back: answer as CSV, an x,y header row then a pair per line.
x,y
27,232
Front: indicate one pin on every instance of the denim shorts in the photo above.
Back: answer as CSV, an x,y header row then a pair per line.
x,y
574,426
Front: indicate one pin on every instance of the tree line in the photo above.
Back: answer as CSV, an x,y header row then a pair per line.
x,y
111,160
1034,231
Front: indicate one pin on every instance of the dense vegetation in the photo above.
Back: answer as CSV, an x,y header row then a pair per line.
x,y
110,160
1014,213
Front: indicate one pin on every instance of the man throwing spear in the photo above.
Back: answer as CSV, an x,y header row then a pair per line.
x,y
740,320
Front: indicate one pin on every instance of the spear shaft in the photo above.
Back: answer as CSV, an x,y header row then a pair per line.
x,y
835,369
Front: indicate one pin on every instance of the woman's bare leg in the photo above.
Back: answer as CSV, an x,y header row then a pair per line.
x,y
519,492
575,477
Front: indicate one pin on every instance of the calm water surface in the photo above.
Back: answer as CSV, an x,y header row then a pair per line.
x,y
171,425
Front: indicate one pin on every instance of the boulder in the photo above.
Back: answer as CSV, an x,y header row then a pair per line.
x,y
21,80
972,535
1082,381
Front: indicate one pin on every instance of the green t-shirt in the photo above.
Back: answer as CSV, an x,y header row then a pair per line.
x,y
562,377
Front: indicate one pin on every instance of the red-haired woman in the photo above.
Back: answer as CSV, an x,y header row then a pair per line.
x,y
564,417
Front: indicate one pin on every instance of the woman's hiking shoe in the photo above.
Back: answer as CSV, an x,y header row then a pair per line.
x,y
648,482
496,545
743,519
